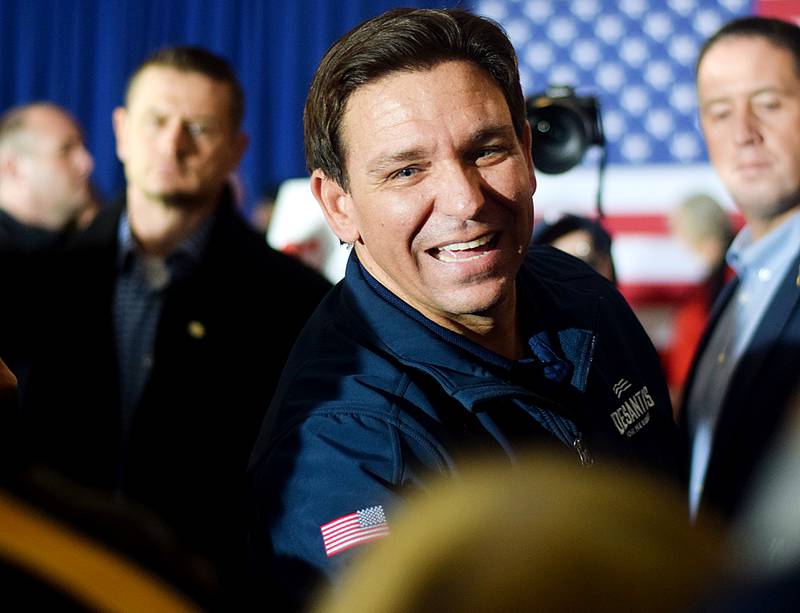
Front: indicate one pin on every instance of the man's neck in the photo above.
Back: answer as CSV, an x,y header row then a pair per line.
x,y
497,331
159,226
760,227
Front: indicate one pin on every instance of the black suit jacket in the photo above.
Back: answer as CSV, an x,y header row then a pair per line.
x,y
758,398
221,343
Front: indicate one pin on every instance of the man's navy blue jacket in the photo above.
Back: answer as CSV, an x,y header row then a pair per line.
x,y
376,399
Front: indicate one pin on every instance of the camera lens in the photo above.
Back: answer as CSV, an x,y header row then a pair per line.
x,y
559,138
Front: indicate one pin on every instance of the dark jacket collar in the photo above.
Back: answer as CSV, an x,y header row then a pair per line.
x,y
561,332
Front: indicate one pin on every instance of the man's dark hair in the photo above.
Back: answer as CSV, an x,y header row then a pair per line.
x,y
401,40
777,32
196,59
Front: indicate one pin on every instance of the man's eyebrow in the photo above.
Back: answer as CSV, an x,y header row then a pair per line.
x,y
502,131
769,89
382,163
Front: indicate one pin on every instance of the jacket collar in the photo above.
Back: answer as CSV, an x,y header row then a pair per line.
x,y
560,335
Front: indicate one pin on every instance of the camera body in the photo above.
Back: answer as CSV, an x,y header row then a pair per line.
x,y
563,127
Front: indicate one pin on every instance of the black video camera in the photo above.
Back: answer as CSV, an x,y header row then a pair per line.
x,y
563,126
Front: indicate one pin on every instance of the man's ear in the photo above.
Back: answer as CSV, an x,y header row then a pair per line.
x,y
527,140
240,144
9,166
119,120
337,206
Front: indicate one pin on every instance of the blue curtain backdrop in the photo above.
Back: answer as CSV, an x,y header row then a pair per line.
x,y
80,53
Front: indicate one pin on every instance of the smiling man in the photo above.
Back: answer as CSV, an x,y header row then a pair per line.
x,y
447,336
748,83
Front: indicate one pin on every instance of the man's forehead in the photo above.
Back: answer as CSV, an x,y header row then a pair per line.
x,y
156,84
720,77
45,123
393,101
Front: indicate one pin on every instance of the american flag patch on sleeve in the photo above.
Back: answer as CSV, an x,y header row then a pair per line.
x,y
354,529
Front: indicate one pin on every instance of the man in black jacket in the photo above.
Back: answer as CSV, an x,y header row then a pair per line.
x,y
173,321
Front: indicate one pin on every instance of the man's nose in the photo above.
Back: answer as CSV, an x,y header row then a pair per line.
x,y
174,139
461,192
745,127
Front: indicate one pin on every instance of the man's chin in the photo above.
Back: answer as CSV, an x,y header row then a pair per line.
x,y
178,198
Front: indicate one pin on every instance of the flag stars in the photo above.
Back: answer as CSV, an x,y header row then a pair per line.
x,y
682,7
538,11
634,52
609,29
562,31
494,9
610,77
658,26
683,98
707,22
634,8
564,74
683,49
586,54
539,55
586,10
685,147
659,74
636,147
614,125
519,32
659,123
736,6
635,100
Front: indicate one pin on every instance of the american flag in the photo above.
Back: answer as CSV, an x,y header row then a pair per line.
x,y
354,529
636,56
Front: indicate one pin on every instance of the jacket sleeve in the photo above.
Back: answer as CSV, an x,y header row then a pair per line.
x,y
329,466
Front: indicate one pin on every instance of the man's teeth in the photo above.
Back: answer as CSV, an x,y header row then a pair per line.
x,y
470,245
447,253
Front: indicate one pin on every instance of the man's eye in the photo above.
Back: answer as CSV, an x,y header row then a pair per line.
x,y
197,129
718,114
769,103
404,173
487,154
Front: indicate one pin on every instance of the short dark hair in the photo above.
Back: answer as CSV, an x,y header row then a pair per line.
x,y
401,40
777,32
196,59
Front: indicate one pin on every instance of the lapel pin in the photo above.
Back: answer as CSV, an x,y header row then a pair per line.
x,y
196,329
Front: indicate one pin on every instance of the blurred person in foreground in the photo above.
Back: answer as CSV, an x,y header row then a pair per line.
x,y
174,321
446,337
44,177
541,535
748,83
703,226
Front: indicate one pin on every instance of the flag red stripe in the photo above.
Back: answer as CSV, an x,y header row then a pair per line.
x,y
332,525
331,542
369,535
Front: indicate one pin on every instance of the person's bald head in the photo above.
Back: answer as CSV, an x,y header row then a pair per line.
x,y
44,166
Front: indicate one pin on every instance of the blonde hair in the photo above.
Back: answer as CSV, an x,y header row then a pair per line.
x,y
544,535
